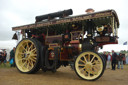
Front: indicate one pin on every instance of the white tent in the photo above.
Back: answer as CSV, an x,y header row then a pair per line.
x,y
1,50
114,47
8,45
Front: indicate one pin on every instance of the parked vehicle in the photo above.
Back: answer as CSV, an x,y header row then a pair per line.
x,y
57,39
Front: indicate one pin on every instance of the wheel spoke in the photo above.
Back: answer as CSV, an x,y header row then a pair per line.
x,y
21,53
92,58
95,71
30,47
82,68
85,58
85,72
89,73
96,67
33,54
22,59
88,58
28,64
81,64
23,48
33,59
33,50
83,61
23,64
95,62
32,64
27,46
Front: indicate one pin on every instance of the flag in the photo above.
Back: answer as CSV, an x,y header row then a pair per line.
x,y
125,43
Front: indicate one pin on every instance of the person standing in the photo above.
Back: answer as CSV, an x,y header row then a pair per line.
x,y
109,59
12,55
5,55
120,61
105,56
2,59
114,57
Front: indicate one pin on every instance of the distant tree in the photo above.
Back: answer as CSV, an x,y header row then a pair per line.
x,y
123,51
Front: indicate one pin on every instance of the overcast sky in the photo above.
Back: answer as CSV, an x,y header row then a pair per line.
x,y
21,12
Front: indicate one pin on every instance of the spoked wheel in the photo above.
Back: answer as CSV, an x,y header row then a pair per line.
x,y
27,56
89,65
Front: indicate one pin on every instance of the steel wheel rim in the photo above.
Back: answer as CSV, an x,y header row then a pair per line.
x,y
26,55
89,65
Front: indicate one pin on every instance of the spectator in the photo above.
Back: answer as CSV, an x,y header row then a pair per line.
x,y
127,58
120,61
2,58
117,59
124,59
114,58
109,59
5,55
105,56
0,55
12,55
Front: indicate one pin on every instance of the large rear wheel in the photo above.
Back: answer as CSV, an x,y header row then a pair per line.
x,y
89,65
27,56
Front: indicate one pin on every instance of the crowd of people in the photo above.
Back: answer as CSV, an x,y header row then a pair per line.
x,y
114,59
3,56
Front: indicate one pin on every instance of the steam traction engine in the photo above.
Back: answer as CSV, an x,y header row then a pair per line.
x,y
57,39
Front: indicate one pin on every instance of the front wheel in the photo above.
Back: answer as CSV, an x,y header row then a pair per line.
x,y
89,65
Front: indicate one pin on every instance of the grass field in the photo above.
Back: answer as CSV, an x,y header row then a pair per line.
x,y
6,65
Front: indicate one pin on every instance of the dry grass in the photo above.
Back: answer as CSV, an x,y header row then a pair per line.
x,y
5,65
